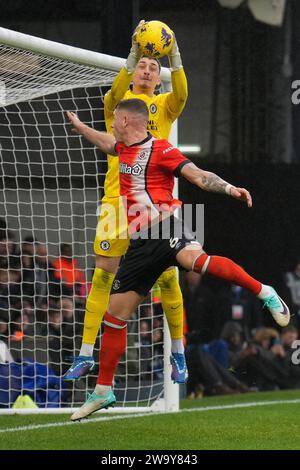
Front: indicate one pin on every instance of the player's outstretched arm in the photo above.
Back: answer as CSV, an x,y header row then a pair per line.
x,y
122,81
177,98
135,52
213,183
104,141
174,56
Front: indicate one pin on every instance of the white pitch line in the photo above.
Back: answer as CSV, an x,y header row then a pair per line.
x,y
142,415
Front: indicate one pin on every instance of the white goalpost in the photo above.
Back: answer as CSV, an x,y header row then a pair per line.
x,y
51,185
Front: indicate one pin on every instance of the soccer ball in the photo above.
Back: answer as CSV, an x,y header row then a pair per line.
x,y
155,39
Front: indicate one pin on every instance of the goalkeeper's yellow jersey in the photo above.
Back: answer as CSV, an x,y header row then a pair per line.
x,y
163,110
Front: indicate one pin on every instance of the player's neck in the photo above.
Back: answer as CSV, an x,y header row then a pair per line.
x,y
134,137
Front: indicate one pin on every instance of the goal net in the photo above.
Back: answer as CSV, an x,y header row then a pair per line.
x,y
51,185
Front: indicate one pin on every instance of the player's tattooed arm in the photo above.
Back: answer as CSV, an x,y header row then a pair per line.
x,y
204,179
213,183
104,141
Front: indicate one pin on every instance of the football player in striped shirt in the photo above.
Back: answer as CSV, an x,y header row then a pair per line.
x,y
146,185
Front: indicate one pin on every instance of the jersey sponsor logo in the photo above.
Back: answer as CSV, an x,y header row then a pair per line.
x,y
144,154
134,170
116,284
168,149
153,108
105,245
152,126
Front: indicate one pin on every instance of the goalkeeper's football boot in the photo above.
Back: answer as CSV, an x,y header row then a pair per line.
x,y
179,373
94,403
80,367
278,309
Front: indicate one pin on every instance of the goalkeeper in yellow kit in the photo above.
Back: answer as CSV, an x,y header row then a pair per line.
x,y
144,74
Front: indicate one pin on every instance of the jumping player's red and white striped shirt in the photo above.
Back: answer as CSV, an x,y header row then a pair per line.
x,y
147,171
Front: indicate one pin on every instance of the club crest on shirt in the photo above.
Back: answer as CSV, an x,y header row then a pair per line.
x,y
152,108
116,284
105,245
144,154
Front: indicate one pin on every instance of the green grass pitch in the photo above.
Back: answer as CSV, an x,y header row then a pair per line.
x,y
248,421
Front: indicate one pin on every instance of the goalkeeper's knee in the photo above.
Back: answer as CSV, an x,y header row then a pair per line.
x,y
168,280
102,280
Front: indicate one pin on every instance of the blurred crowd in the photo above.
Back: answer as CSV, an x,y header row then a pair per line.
x,y
39,298
232,344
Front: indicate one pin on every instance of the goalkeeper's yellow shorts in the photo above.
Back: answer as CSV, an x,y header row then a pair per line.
x,y
111,233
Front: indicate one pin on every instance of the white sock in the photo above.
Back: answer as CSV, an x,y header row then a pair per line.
x,y
177,346
265,292
86,349
102,389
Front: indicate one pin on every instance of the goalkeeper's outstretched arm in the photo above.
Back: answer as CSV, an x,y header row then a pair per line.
x,y
104,141
177,98
122,81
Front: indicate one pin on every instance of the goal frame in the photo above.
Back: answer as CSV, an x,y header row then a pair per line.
x,y
170,401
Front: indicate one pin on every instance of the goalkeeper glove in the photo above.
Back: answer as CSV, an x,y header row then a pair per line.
x,y
135,53
174,56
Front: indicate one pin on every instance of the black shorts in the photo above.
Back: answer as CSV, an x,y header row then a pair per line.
x,y
146,259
